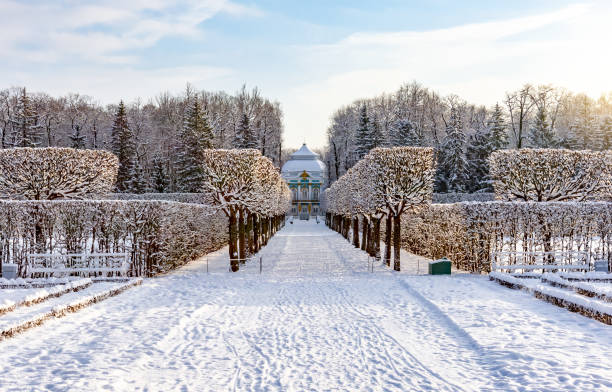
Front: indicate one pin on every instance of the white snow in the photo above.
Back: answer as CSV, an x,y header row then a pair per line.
x,y
18,297
588,276
577,299
598,288
315,319
24,316
595,287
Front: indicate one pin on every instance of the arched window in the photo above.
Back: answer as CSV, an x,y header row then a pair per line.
x,y
315,194
294,193
304,193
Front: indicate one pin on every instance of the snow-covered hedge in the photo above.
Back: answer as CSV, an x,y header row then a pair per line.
x,y
468,232
551,175
159,235
196,198
56,173
446,198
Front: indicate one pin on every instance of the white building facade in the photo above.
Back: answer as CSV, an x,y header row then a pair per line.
x,y
305,175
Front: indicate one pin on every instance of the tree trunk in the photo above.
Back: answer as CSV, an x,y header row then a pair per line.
x,y
347,231
255,233
241,236
265,231
233,237
388,231
370,247
396,241
356,231
364,233
377,238
249,229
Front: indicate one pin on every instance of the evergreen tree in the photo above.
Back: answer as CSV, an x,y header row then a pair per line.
x,y
245,135
138,183
480,146
377,136
363,135
159,176
499,136
28,132
452,165
540,134
196,136
581,132
405,133
124,148
606,133
77,139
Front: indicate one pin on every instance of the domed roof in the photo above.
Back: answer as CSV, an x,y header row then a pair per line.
x,y
304,159
304,153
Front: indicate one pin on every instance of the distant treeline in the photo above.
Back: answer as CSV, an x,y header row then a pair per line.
x,y
158,142
463,134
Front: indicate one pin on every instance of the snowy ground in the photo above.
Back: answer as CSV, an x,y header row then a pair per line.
x,y
315,319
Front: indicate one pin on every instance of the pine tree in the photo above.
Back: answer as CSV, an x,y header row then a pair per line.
x,y
28,132
159,176
196,136
540,134
581,131
452,166
606,133
377,136
77,139
138,183
480,146
497,126
245,135
405,133
124,148
363,136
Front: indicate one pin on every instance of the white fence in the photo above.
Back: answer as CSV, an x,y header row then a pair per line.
x,y
512,262
82,264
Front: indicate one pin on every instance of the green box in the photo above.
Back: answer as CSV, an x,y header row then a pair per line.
x,y
440,267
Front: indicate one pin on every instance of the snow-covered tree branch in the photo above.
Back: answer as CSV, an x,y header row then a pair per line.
x,y
56,173
551,175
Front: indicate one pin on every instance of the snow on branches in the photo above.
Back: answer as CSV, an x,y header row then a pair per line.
x,y
551,175
388,181
158,235
56,173
248,188
468,233
403,176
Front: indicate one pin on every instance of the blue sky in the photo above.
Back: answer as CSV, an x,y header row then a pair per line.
x,y
311,56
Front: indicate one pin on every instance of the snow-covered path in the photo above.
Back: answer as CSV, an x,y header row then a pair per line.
x,y
315,319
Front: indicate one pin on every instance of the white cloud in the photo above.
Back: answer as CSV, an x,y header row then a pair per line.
x,y
479,62
109,85
101,32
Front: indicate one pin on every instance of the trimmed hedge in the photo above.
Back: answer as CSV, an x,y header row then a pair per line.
x,y
159,235
467,233
56,173
446,198
197,198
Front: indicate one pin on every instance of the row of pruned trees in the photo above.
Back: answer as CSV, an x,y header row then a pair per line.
x,y
383,185
159,142
552,175
464,135
548,200
248,188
